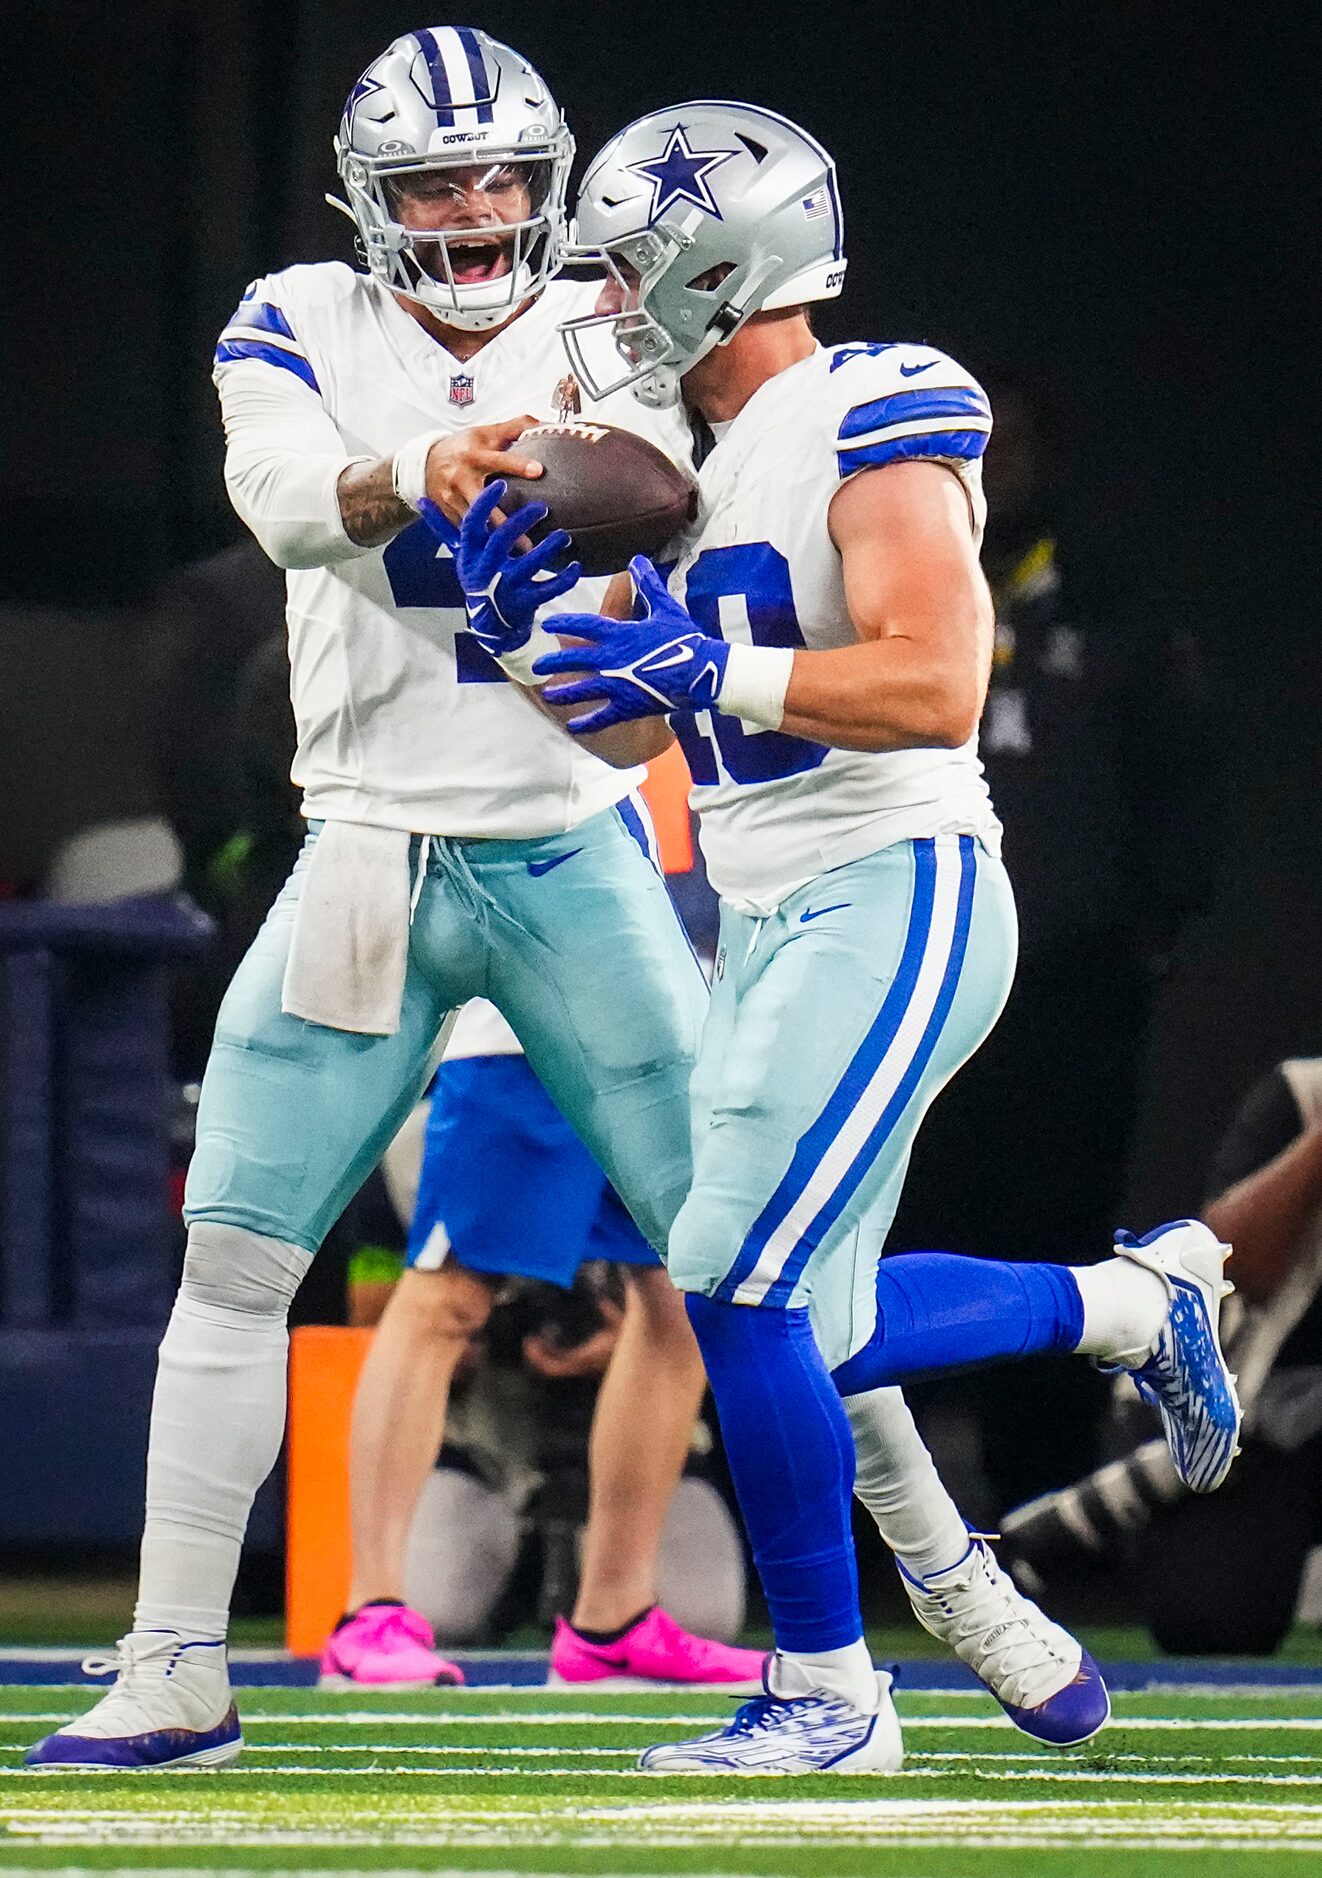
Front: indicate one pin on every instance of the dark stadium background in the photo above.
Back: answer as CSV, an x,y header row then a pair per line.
x,y
1109,201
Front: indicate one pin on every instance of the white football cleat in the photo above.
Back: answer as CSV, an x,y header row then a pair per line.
x,y
1044,1680
170,1707
1185,1377
818,1733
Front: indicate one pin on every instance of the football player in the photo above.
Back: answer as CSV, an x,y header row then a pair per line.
x,y
459,844
821,646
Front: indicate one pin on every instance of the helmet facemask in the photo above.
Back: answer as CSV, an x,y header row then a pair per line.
x,y
635,346
495,237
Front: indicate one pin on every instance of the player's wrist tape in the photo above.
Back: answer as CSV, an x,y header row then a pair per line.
x,y
518,665
755,682
408,469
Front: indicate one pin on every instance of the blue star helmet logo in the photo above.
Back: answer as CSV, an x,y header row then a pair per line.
x,y
680,174
366,87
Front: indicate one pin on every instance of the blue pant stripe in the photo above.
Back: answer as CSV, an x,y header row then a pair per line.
x,y
813,1144
633,821
781,1291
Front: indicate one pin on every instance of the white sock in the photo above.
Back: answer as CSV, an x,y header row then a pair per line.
x,y
1124,1308
846,1672
217,1421
897,1481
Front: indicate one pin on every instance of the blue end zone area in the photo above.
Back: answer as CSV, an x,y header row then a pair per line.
x,y
503,1669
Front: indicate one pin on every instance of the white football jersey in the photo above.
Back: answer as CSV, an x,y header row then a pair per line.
x,y
403,721
758,567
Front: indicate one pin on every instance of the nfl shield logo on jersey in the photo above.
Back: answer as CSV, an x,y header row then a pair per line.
x,y
461,388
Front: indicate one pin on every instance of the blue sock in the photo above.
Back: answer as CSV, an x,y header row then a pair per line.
x,y
791,1454
938,1311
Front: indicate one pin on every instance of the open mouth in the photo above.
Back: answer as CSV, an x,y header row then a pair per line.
x,y
481,257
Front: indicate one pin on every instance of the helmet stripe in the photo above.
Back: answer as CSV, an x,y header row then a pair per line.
x,y
440,78
477,71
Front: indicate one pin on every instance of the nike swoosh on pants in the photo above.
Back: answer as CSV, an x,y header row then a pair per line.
x,y
536,868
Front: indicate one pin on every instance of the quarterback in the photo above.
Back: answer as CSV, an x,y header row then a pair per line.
x,y
460,844
821,645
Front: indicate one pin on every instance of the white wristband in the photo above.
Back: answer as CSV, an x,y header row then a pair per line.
x,y
519,665
408,470
756,680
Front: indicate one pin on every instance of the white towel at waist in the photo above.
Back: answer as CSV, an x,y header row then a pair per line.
x,y
349,952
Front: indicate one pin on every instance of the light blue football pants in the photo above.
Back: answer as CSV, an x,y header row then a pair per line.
x,y
833,1025
572,936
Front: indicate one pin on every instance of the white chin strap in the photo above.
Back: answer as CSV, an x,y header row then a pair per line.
x,y
468,306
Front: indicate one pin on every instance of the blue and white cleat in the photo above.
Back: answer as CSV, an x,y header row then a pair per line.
x,y
170,1707
817,1733
1044,1680
1185,1377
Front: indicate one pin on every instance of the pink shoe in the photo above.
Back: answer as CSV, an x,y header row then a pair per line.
x,y
384,1646
655,1650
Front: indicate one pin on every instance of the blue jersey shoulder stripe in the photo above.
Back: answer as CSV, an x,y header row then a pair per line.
x,y
968,444
907,407
263,318
231,349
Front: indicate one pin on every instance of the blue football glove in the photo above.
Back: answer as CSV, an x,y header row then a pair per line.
x,y
502,588
646,667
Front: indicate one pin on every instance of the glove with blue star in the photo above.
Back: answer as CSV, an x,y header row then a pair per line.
x,y
644,667
502,588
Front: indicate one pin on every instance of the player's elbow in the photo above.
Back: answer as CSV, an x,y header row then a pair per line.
x,y
955,717
944,712
289,506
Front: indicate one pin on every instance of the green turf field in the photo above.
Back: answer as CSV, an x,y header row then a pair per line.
x,y
543,1781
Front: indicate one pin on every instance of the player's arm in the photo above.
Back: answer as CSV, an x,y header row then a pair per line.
x,y
378,499
310,502
922,611
916,596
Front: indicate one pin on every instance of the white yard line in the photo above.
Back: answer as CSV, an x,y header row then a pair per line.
x,y
387,1718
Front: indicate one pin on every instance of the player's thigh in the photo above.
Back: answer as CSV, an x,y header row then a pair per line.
x,y
598,979
507,1187
843,1026
294,1115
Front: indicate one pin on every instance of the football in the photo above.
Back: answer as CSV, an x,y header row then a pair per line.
x,y
616,494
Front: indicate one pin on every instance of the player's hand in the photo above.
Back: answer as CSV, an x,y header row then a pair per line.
x,y
503,588
458,467
643,667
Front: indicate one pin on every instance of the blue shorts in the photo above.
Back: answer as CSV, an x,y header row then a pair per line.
x,y
834,1023
507,1187
572,937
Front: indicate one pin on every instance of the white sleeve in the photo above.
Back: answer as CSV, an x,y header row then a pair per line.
x,y
284,457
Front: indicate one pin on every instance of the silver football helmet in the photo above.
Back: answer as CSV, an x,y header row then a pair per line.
x,y
453,117
702,215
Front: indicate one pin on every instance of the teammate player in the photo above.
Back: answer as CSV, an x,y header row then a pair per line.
x,y
823,648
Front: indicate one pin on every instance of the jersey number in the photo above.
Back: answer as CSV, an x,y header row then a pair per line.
x,y
422,572
757,575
